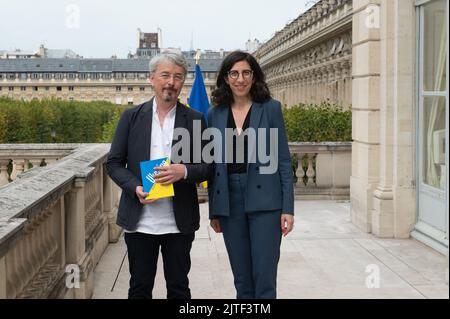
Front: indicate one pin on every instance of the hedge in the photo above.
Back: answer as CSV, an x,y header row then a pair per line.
x,y
318,123
56,121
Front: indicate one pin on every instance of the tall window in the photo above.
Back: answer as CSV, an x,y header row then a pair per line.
x,y
433,92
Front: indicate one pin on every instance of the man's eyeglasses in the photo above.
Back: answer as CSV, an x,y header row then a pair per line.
x,y
176,77
246,74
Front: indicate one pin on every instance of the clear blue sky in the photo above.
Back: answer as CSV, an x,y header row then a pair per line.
x,y
103,28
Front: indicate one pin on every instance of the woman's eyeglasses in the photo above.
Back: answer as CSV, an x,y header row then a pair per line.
x,y
246,74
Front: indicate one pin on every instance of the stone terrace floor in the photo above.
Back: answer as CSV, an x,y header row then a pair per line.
x,y
325,256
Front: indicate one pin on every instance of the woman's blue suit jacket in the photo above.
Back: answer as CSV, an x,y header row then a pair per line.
x,y
264,191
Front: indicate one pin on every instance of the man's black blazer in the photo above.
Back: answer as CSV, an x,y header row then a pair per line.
x,y
131,145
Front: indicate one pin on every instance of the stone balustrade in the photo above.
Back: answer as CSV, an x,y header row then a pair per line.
x,y
55,220
18,158
323,170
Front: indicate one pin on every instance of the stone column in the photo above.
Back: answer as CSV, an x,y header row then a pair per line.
x,y
339,87
324,83
76,255
292,89
319,85
403,188
382,217
298,90
366,106
288,85
394,198
75,218
2,277
347,80
109,209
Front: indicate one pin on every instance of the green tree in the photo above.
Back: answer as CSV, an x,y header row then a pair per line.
x,y
110,127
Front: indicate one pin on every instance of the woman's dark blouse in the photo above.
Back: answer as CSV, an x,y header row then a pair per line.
x,y
234,167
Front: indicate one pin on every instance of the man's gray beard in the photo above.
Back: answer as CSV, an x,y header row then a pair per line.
x,y
168,98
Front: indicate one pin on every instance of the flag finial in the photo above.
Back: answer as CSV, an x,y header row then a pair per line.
x,y
197,56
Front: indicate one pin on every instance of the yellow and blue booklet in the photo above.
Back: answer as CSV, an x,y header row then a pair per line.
x,y
148,173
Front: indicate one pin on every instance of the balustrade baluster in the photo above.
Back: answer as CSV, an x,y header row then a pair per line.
x,y
310,173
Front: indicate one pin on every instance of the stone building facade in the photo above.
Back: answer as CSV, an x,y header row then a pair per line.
x,y
310,59
388,60
120,81
400,119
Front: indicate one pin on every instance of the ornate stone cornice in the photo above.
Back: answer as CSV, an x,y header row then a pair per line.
x,y
324,18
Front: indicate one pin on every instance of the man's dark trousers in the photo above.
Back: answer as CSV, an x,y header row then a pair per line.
x,y
143,252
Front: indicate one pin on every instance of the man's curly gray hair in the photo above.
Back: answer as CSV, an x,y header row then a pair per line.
x,y
168,55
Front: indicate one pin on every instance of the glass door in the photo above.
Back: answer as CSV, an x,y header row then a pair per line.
x,y
432,123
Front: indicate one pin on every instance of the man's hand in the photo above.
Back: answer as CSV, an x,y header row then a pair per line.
x,y
142,195
169,174
287,224
215,224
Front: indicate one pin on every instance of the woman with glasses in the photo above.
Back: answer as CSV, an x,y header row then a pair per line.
x,y
251,198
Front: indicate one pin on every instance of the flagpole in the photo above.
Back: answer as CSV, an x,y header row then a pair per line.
x,y
197,58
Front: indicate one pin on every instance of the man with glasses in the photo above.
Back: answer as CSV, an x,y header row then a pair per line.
x,y
144,133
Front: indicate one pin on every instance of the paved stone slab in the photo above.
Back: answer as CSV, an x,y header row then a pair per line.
x,y
326,256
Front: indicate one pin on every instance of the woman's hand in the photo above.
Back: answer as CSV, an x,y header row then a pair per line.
x,y
215,224
287,224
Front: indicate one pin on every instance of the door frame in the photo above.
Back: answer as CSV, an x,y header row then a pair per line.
x,y
422,231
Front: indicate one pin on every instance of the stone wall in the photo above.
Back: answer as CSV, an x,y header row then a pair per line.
x,y
360,53
382,184
90,90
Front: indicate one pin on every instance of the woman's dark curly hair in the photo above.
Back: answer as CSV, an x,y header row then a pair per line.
x,y
259,92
